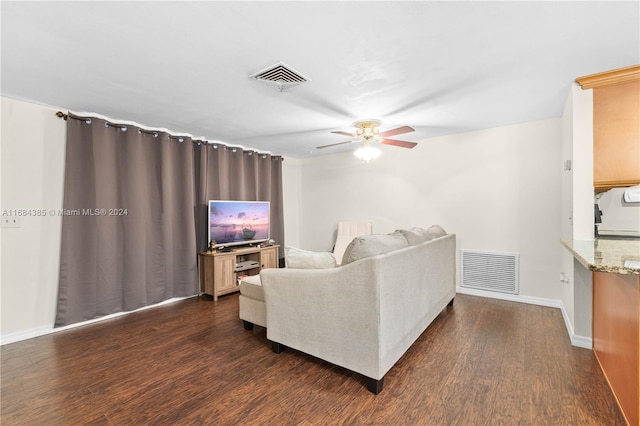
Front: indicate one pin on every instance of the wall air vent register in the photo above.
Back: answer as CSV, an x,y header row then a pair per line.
x,y
491,271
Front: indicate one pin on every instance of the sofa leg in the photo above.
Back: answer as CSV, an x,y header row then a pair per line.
x,y
277,348
247,325
375,386
450,302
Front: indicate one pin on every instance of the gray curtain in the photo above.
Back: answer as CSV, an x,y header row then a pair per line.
x,y
136,204
128,235
235,174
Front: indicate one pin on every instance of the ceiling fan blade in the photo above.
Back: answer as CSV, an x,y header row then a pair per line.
x,y
340,132
397,131
401,144
334,144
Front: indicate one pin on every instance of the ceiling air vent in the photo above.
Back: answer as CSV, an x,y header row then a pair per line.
x,y
280,76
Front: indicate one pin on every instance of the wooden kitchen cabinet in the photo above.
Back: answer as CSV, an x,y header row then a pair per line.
x,y
616,337
616,127
219,272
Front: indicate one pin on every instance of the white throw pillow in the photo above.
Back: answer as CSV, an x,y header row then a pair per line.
x,y
296,258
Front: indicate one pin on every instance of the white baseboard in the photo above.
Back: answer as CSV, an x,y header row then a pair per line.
x,y
24,335
41,331
552,303
579,341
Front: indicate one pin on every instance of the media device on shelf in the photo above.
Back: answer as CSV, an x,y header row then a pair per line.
x,y
233,223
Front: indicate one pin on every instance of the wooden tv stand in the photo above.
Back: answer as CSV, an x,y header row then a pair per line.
x,y
219,272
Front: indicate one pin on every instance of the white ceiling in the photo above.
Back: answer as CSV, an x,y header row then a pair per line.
x,y
440,67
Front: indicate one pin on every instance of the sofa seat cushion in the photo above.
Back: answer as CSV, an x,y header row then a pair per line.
x,y
252,287
296,258
373,245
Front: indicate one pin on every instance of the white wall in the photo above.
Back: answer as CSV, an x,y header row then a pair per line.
x,y
566,214
583,217
582,163
291,199
577,211
33,142
497,189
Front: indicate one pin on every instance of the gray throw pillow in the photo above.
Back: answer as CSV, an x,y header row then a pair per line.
x,y
436,231
373,245
413,237
417,235
296,258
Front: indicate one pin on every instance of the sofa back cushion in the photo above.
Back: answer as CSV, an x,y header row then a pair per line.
x,y
435,231
417,236
373,245
296,258
414,236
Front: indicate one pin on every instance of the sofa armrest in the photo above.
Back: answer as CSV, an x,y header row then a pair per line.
x,y
332,314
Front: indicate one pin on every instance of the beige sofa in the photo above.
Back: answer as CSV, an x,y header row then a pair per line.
x,y
363,315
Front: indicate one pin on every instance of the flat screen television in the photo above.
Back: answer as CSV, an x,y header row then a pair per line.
x,y
238,222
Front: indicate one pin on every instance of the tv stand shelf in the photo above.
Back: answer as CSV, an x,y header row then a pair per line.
x,y
219,272
246,268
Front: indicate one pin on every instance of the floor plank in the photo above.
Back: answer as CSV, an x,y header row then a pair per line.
x,y
482,361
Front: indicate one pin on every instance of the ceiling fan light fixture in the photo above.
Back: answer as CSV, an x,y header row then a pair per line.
x,y
367,134
367,153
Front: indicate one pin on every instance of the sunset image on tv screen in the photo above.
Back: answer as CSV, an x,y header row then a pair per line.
x,y
238,221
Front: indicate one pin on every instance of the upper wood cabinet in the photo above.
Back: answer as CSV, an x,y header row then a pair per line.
x,y
616,127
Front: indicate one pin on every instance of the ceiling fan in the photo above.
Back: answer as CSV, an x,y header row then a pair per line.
x,y
367,133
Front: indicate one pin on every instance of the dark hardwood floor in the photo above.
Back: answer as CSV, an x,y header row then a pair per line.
x,y
482,362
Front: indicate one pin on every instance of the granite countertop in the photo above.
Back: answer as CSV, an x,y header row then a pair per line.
x,y
605,255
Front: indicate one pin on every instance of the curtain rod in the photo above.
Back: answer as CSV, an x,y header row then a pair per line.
x,y
180,139
67,116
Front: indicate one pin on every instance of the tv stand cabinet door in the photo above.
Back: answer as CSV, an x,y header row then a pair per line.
x,y
205,272
224,275
269,257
